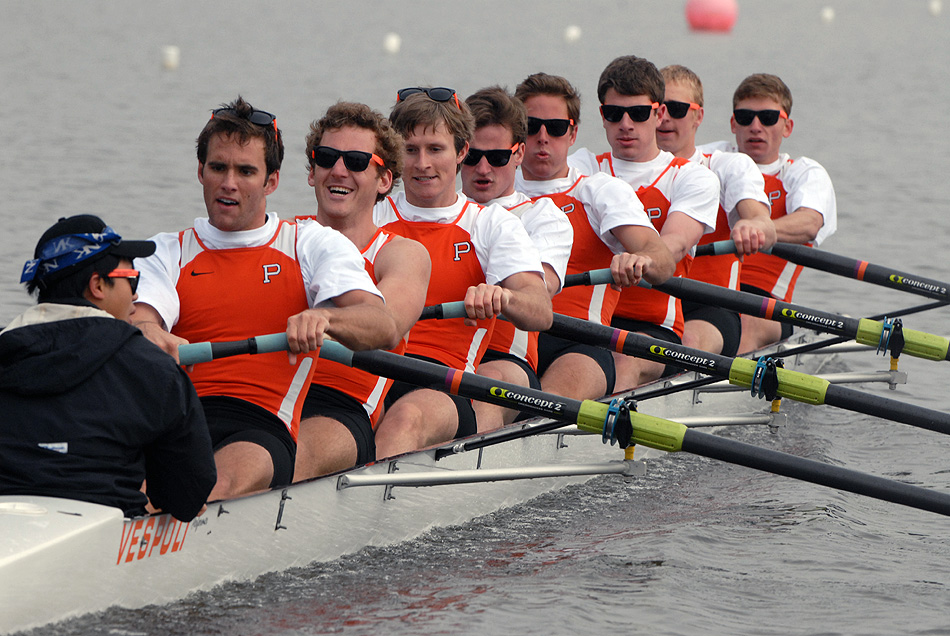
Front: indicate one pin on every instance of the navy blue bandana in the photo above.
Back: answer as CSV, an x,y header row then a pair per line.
x,y
67,250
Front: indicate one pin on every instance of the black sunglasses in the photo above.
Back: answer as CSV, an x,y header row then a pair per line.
x,y
744,116
437,94
131,274
259,117
555,127
354,160
640,113
678,110
496,158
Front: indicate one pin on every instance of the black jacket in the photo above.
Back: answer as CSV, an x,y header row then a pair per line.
x,y
89,408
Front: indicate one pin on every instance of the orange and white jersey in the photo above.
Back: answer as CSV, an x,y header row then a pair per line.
x,y
789,185
552,234
739,179
664,185
468,245
595,204
368,389
217,286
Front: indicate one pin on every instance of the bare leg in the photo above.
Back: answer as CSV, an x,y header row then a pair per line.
x,y
491,416
324,446
632,372
702,335
576,376
758,332
243,468
416,420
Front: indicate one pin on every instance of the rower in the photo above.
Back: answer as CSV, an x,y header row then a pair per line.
x,y
355,158
743,211
679,196
91,409
241,272
611,229
480,253
488,176
800,192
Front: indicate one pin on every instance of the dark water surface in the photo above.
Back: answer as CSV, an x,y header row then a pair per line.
x,y
92,123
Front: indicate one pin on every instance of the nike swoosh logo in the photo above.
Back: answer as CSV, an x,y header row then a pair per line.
x,y
200,273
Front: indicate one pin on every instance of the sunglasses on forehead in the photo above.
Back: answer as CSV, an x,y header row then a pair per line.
x,y
259,117
640,113
744,116
131,274
678,110
497,158
437,94
354,160
555,127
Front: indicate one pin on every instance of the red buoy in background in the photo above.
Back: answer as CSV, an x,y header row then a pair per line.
x,y
712,15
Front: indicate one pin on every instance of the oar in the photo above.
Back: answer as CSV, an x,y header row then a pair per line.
x,y
863,330
615,422
844,266
794,385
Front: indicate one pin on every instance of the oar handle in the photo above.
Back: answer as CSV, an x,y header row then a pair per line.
x,y
593,277
197,352
719,248
444,311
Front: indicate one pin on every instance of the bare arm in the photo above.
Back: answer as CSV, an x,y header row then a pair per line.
x,y
359,320
522,298
403,268
646,256
754,230
150,322
681,233
551,280
801,226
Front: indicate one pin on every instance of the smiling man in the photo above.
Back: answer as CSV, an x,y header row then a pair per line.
x,y
242,272
804,210
355,159
611,229
481,255
488,176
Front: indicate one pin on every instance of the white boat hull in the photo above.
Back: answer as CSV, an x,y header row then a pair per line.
x,y
61,558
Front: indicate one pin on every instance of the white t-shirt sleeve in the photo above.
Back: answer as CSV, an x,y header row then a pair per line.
x,y
552,233
739,179
584,161
611,203
808,185
502,245
696,193
159,277
330,264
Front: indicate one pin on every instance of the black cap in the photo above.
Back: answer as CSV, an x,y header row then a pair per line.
x,y
83,238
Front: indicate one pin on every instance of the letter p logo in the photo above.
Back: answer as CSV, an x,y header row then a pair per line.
x,y
271,270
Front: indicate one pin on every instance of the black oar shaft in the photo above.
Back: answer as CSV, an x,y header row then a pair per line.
x,y
733,452
862,270
877,406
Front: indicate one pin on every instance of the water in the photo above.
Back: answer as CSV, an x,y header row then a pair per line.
x,y
92,123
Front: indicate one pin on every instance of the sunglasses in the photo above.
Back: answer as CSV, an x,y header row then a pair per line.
x,y
555,127
640,113
354,160
131,274
678,110
496,158
259,117
744,116
437,94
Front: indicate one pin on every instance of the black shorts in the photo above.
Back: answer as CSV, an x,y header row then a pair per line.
x,y
491,355
550,348
463,406
726,322
787,329
233,420
323,401
654,331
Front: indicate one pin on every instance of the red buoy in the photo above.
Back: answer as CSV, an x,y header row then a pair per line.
x,y
712,15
